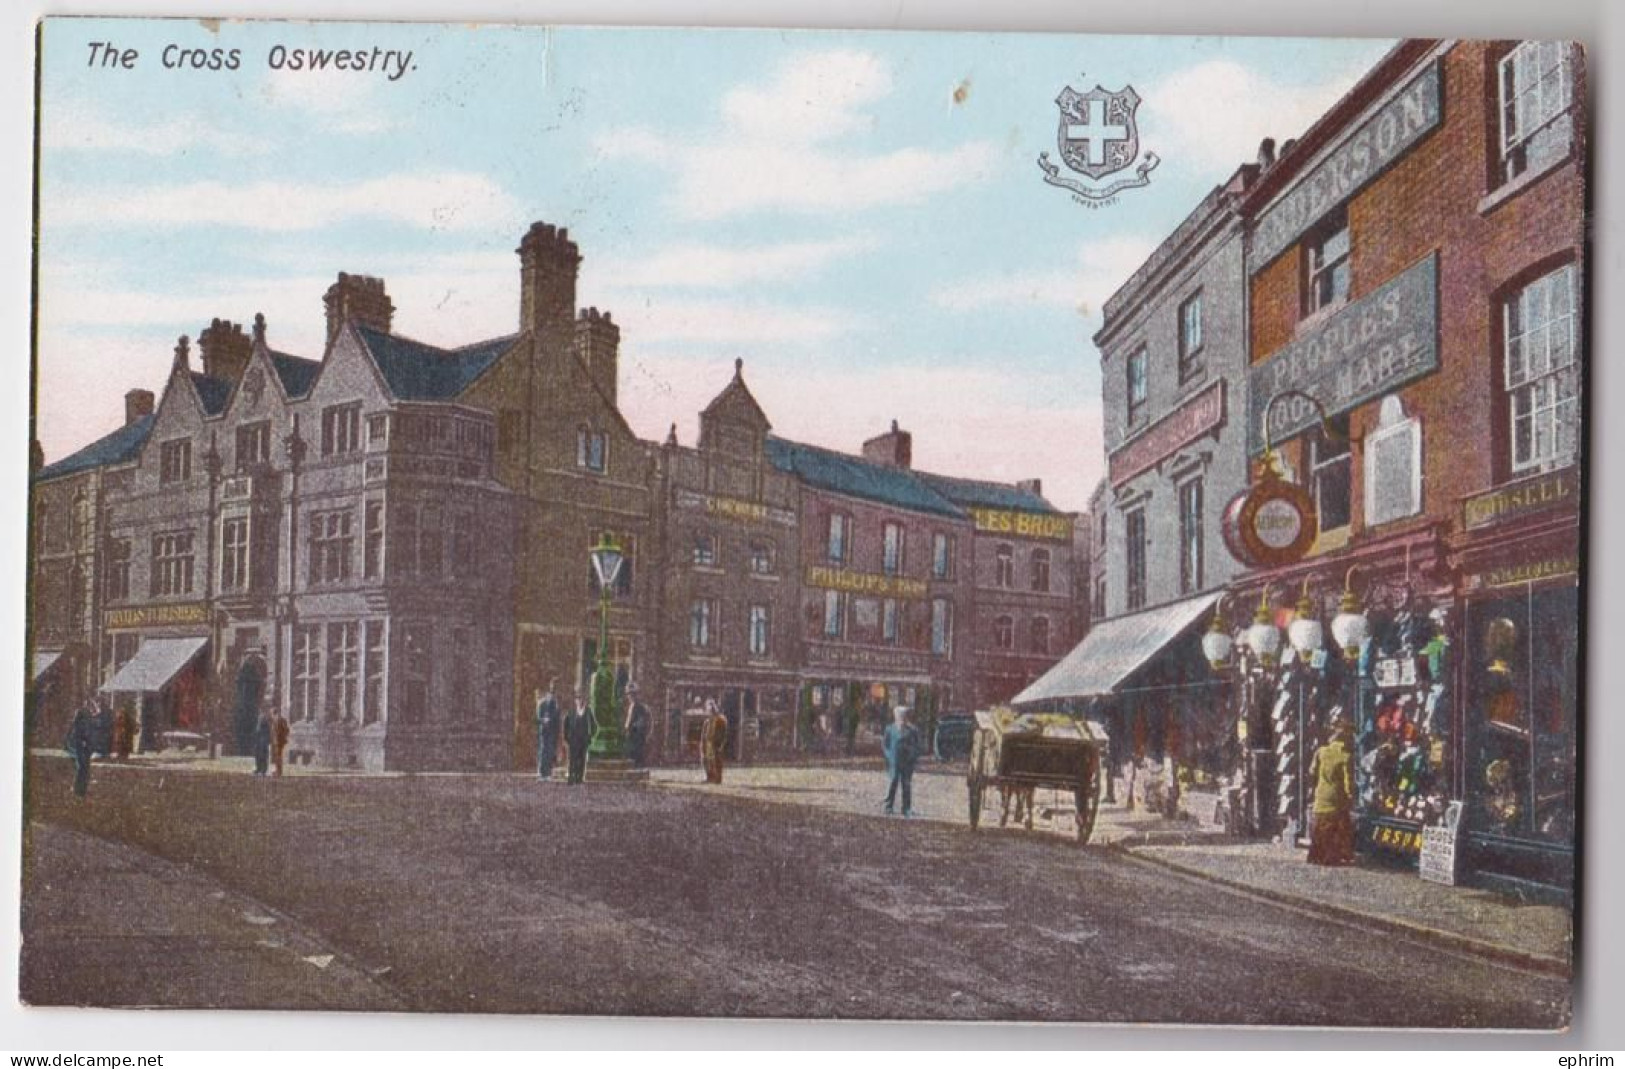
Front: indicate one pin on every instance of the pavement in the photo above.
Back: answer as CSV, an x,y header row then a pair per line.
x,y
499,894
1468,920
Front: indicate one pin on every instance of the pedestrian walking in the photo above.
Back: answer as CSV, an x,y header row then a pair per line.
x,y
636,727
262,743
713,741
132,730
121,736
901,744
579,728
1331,835
548,722
102,725
280,731
81,743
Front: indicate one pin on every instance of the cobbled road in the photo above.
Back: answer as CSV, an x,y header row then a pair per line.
x,y
497,894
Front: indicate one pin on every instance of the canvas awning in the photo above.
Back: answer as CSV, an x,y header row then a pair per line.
x,y
157,662
43,660
1114,650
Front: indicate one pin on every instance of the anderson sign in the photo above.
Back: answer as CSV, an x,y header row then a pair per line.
x,y
1382,341
1381,140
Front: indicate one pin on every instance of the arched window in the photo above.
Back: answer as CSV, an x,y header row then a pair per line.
x,y
1004,633
1040,634
1041,570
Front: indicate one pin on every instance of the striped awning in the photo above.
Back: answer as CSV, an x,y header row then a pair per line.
x,y
157,662
1114,650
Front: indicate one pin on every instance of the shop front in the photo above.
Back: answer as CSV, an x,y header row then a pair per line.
x,y
166,685
1520,609
848,694
761,715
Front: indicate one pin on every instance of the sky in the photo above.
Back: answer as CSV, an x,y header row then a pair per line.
x,y
859,216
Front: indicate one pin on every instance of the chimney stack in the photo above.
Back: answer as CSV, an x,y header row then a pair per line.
x,y
225,350
361,298
895,448
137,405
1032,486
598,343
548,265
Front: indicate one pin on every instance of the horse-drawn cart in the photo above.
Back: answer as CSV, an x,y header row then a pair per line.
x,y
1016,754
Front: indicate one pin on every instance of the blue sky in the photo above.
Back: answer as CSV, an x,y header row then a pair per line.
x,y
817,203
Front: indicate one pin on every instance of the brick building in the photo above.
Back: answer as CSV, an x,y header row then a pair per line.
x,y
1173,358
730,600
1416,270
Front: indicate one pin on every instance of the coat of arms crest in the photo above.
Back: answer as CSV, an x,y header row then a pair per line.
x,y
1097,136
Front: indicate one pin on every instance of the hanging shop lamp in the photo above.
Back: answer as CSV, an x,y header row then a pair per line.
x,y
1349,627
1216,643
1305,632
1263,638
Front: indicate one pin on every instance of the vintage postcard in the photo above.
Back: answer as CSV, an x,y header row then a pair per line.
x,y
1039,527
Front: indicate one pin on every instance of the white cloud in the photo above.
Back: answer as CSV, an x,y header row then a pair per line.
x,y
971,422
773,150
76,126
1213,115
449,200
1101,267
338,100
709,266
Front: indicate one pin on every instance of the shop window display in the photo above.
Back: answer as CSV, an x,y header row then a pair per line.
x,y
1520,782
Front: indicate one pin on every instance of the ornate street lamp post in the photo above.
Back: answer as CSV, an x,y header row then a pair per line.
x,y
607,559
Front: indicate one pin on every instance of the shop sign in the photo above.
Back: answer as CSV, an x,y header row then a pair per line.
x,y
1378,142
1438,863
1373,346
1273,524
733,508
196,612
885,586
1196,417
1023,524
1529,572
1530,495
1400,840
862,657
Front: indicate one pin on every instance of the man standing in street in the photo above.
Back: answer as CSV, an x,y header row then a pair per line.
x,y
579,728
280,730
713,741
548,721
636,727
81,743
901,744
262,743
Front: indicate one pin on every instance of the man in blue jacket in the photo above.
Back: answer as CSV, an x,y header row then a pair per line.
x,y
902,745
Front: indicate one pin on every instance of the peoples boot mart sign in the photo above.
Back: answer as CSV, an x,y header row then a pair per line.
x,y
1023,524
1196,417
1373,346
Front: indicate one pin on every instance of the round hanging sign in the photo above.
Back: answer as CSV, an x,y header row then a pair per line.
x,y
1275,522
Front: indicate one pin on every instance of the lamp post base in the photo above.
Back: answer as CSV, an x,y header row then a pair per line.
x,y
615,770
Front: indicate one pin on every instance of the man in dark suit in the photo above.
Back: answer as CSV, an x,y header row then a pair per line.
x,y
579,728
549,720
637,727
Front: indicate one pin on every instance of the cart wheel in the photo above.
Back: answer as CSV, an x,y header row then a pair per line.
x,y
1088,799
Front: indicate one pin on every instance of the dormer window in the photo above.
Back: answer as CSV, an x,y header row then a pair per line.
x,y
175,461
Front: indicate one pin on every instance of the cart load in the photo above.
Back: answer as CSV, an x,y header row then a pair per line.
x,y
1018,753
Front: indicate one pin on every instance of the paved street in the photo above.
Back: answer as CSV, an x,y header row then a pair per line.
x,y
499,894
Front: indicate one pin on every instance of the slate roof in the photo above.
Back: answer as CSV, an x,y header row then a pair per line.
x,y
974,493
296,372
213,392
116,448
416,371
845,474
